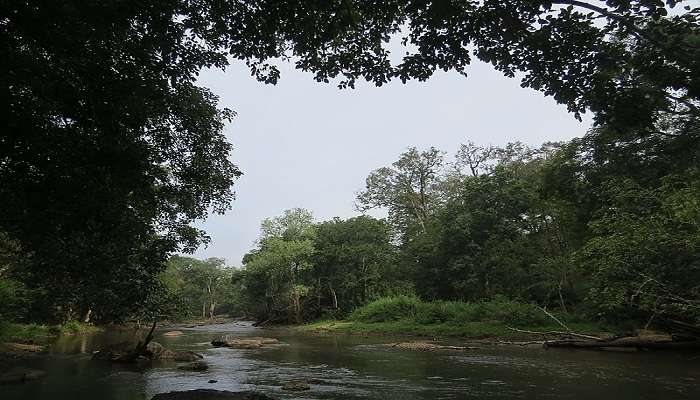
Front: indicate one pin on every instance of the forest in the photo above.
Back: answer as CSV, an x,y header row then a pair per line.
x,y
110,153
561,226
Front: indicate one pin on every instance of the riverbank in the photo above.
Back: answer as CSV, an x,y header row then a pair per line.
x,y
499,318
470,330
41,334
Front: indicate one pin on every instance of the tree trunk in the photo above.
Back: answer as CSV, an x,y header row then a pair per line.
x,y
297,308
628,342
212,306
364,281
561,296
86,319
334,298
142,345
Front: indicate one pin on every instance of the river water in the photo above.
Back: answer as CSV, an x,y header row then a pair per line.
x,y
354,367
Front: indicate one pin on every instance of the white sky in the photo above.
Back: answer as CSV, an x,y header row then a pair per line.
x,y
311,145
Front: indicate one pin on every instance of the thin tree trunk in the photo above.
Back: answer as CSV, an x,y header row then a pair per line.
x,y
334,298
86,319
364,281
561,296
142,346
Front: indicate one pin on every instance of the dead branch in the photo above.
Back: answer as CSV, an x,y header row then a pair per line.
x,y
560,333
555,319
540,342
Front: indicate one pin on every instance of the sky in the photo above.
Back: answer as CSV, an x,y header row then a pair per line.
x,y
311,145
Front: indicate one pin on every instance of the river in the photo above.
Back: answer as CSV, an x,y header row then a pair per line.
x,y
355,367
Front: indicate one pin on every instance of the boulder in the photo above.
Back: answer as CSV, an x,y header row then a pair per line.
x,y
244,344
188,356
156,351
20,350
111,355
20,374
428,346
195,366
24,348
251,342
209,394
296,386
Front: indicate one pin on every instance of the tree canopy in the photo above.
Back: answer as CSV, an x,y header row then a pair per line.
x,y
110,151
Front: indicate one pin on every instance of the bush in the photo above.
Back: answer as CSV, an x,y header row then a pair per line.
x,y
499,309
387,309
512,312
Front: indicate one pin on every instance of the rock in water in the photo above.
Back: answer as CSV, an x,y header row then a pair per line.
x,y
209,394
252,342
173,333
187,356
27,348
296,386
156,351
195,366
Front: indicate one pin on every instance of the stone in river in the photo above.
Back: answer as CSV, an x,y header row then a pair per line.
x,y
296,386
251,342
187,356
195,366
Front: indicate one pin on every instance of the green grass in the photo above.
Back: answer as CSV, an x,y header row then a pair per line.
x,y
411,316
39,334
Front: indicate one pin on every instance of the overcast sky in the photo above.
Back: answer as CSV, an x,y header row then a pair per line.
x,y
311,145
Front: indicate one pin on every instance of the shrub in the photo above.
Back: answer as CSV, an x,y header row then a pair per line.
x,y
499,309
387,309
512,312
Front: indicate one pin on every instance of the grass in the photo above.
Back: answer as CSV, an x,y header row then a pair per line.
x,y
404,315
41,334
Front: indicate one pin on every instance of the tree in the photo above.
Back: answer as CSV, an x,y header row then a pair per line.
x,y
407,188
201,285
476,159
644,256
623,60
353,262
279,262
109,151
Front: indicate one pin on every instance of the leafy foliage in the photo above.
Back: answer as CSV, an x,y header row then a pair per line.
x,y
450,312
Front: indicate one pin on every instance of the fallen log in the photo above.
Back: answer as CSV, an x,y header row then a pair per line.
x,y
627,342
559,333
527,343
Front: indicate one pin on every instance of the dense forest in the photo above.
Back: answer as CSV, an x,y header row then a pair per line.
x,y
110,153
564,226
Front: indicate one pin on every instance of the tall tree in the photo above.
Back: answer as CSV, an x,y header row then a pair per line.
x,y
408,189
353,262
109,151
280,261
